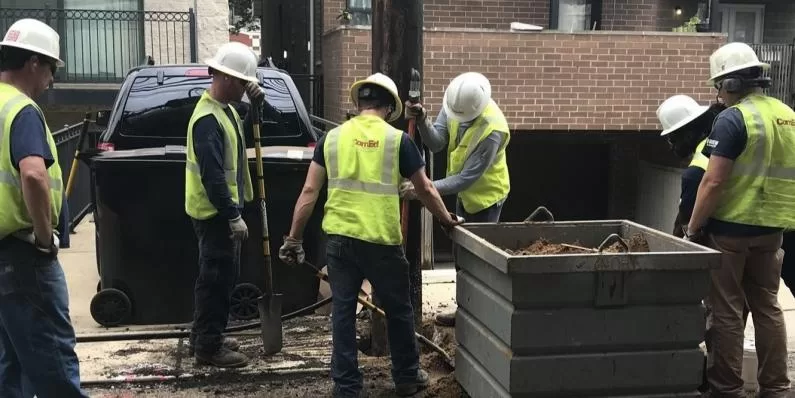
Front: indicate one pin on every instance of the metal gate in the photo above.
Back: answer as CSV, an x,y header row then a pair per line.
x,y
780,58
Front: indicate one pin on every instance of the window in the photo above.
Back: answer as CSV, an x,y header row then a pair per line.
x,y
361,12
164,110
575,15
742,22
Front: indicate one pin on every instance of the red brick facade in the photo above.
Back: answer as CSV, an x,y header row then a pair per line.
x,y
608,81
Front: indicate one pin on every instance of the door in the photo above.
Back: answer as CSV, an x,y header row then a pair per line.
x,y
742,22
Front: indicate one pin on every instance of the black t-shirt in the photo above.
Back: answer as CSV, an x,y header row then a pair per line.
x,y
728,139
409,158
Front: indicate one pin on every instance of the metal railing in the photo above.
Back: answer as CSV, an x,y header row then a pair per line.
x,y
102,45
66,141
311,89
781,58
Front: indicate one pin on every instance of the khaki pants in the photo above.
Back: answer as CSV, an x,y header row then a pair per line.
x,y
750,271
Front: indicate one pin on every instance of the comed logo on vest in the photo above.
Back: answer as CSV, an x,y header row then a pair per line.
x,y
785,122
369,144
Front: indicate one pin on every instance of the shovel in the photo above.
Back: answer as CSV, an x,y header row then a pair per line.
x,y
270,304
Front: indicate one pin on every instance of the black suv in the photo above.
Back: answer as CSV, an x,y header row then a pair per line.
x,y
155,103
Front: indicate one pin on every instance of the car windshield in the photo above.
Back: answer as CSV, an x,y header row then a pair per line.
x,y
164,110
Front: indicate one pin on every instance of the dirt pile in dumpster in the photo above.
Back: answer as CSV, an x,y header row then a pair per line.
x,y
542,247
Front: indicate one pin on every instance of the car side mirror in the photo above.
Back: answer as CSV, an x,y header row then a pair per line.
x,y
103,118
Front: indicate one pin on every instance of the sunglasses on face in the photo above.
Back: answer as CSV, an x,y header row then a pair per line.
x,y
51,64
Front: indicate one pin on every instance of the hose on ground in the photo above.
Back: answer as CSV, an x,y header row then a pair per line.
x,y
176,334
162,379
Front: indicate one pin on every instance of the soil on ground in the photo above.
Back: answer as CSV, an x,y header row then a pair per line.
x,y
636,243
314,335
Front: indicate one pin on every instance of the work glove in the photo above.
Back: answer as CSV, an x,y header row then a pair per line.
x,y
30,237
450,223
238,229
255,93
406,191
695,237
292,251
415,111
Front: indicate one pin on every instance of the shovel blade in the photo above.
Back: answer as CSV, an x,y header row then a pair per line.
x,y
270,316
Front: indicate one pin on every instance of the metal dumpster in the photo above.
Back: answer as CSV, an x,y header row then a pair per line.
x,y
147,251
593,324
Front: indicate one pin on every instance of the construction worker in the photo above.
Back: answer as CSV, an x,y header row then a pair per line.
x,y
363,160
686,125
745,200
37,339
217,182
475,133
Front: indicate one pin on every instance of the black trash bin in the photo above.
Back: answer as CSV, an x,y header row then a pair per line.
x,y
147,251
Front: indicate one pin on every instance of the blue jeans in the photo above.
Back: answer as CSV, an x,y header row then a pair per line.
x,y
489,214
36,336
349,262
219,268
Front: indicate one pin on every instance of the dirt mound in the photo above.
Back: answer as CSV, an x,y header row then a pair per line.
x,y
445,386
637,243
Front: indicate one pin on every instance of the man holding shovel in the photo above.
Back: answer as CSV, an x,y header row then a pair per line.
x,y
363,160
217,182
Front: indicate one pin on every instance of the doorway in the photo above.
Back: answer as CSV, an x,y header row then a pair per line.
x,y
742,22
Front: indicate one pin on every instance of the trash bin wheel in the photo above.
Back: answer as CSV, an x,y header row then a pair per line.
x,y
111,307
244,305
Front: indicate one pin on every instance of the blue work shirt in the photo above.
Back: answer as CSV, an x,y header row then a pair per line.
x,y
28,138
208,145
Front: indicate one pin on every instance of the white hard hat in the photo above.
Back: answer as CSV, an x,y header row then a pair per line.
x,y
467,96
36,36
237,60
381,80
677,111
732,57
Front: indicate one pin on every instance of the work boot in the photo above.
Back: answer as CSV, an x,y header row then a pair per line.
x,y
223,358
411,388
228,342
446,319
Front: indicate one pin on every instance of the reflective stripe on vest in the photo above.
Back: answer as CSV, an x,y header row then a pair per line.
x,y
14,214
761,188
361,159
494,185
699,160
197,203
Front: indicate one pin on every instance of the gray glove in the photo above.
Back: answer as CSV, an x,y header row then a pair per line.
x,y
29,237
292,251
415,111
238,229
406,191
255,94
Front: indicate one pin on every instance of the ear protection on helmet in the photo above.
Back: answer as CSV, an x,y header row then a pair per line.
x,y
737,83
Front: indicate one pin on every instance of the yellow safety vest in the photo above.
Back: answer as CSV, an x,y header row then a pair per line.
x,y
13,211
197,204
363,172
761,188
699,160
495,183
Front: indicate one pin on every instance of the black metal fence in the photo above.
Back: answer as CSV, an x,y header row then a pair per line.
x,y
311,89
67,141
101,46
781,58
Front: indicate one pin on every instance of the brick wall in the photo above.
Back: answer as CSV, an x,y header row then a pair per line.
x,y
478,14
545,81
632,15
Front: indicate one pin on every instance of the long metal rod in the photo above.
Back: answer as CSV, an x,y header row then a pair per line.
x,y
176,334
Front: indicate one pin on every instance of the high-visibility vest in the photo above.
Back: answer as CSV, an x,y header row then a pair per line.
x,y
495,183
699,160
761,188
362,166
197,204
14,214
